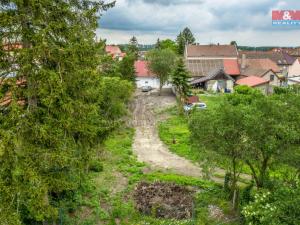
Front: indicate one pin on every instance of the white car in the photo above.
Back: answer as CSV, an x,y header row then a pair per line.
x,y
197,105
146,88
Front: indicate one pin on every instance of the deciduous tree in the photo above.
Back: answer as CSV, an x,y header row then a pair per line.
x,y
161,63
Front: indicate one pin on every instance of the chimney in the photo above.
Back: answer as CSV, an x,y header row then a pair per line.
x,y
243,63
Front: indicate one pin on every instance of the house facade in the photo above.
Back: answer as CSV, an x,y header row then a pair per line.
x,y
294,70
279,56
115,52
255,82
263,68
144,77
205,61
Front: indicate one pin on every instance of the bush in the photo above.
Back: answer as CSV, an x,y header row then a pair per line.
x,y
96,166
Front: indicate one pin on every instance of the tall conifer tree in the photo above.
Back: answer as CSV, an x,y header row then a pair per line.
x,y
54,121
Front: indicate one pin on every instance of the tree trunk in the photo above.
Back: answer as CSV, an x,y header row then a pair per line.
x,y
234,187
26,43
160,88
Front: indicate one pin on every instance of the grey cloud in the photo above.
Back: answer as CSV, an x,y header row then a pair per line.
x,y
167,2
170,16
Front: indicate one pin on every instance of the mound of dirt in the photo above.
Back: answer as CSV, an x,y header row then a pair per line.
x,y
164,200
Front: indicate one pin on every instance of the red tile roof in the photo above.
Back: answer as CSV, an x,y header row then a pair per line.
x,y
113,49
141,69
252,81
231,67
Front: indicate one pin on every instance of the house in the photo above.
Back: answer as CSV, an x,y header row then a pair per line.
x,y
115,52
255,82
278,56
204,60
217,80
144,77
294,69
264,68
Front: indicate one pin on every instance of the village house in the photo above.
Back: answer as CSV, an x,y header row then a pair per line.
x,y
263,68
278,56
115,52
144,77
294,69
255,82
212,67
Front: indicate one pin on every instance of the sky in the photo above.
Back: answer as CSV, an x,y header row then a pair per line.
x,y
248,22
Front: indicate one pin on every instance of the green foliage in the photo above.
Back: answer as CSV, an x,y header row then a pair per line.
x,y
279,207
126,68
180,80
96,166
158,44
233,43
161,63
243,95
133,47
185,37
169,44
292,89
47,145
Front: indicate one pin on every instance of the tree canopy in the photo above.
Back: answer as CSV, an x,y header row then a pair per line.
x,y
62,110
184,38
161,63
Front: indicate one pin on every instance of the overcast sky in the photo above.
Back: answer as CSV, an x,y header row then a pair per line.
x,y
212,21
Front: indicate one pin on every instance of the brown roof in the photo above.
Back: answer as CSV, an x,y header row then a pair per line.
x,y
294,51
211,51
202,67
258,67
217,74
279,57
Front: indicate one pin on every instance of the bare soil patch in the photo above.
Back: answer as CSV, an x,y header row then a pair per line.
x,y
164,200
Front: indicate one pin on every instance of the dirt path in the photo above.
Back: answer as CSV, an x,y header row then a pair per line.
x,y
147,145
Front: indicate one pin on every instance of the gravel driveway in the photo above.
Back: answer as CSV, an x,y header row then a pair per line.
x,y
147,145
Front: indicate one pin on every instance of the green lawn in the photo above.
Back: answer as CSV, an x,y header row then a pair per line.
x,y
106,197
175,134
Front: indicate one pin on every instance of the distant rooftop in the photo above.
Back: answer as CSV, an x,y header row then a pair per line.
x,y
252,81
211,51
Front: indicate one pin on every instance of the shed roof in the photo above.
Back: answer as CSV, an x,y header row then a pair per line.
x,y
217,74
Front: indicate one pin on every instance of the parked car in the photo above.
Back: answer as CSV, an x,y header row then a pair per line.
x,y
146,88
198,105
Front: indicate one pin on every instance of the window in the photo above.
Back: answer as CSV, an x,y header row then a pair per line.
x,y
272,77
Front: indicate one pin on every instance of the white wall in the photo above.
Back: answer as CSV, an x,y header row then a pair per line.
x,y
275,82
294,70
150,81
